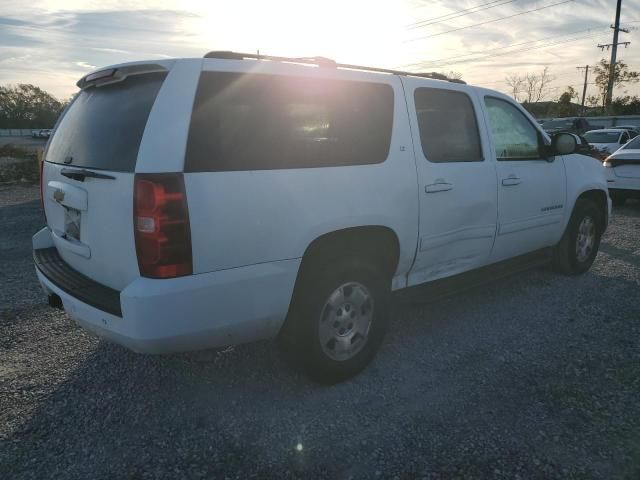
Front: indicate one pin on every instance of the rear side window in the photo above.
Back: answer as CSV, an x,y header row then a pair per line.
x,y
447,125
265,122
103,127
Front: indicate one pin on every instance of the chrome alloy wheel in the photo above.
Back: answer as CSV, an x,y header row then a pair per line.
x,y
586,239
345,321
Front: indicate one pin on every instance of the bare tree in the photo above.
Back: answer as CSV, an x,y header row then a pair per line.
x,y
516,84
537,86
530,87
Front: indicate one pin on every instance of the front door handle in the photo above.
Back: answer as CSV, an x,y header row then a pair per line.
x,y
439,186
511,181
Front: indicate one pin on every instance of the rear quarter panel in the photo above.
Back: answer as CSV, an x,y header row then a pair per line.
x,y
245,218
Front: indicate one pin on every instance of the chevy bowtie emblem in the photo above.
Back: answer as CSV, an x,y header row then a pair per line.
x,y
58,195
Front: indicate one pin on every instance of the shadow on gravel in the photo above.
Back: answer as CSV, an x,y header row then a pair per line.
x,y
18,281
532,375
535,375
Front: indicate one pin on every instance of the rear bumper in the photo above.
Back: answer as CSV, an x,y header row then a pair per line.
x,y
187,313
615,183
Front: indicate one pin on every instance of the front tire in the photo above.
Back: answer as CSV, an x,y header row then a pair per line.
x,y
579,245
338,319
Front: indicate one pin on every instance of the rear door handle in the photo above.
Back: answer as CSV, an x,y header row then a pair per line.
x,y
511,181
439,186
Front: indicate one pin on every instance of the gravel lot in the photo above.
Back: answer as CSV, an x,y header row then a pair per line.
x,y
534,376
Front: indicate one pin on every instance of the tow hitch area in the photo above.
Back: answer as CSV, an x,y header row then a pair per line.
x,y
55,301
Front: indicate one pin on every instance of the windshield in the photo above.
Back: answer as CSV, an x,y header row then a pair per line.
x,y
103,126
602,137
633,144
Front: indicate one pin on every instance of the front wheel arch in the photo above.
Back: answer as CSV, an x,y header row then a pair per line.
x,y
600,198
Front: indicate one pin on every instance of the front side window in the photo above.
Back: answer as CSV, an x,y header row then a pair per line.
x,y
265,122
447,126
514,137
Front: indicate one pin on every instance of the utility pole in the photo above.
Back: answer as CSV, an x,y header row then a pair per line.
x,y
584,89
614,52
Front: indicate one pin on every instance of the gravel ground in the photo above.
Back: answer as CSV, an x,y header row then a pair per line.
x,y
534,376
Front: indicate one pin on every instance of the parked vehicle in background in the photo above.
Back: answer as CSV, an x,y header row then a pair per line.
x,y
623,172
44,133
578,126
584,148
633,130
607,140
198,203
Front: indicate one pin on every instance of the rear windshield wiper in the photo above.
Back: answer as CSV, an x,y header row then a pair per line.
x,y
80,175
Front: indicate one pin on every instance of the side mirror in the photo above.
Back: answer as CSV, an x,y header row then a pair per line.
x,y
564,144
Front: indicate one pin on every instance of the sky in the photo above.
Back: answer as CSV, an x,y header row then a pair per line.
x,y
52,43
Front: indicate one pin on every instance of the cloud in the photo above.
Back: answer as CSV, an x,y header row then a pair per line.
x,y
86,65
52,43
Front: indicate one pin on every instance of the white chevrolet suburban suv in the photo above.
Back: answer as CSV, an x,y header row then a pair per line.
x,y
198,203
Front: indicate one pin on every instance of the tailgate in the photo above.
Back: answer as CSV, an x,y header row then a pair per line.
x,y
88,175
91,222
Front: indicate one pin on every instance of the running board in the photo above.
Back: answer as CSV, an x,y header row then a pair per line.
x,y
455,284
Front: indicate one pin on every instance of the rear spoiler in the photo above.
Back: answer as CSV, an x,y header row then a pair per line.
x,y
115,75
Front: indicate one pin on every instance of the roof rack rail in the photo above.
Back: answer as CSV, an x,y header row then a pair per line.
x,y
325,62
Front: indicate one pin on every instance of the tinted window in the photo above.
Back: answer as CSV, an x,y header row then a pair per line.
x,y
447,125
633,144
261,122
514,137
103,126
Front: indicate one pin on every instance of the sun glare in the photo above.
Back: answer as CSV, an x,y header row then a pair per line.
x,y
364,32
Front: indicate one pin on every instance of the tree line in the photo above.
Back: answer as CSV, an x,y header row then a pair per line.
x,y
27,106
531,89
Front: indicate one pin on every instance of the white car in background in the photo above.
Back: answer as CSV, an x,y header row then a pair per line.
x,y
623,172
607,140
634,130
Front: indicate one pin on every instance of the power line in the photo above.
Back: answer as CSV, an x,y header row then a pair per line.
x,y
490,21
510,52
471,54
462,13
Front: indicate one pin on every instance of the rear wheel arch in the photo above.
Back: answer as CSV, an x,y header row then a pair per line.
x,y
366,257
372,243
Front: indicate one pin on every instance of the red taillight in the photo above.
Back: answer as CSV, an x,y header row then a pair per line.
x,y
161,225
42,187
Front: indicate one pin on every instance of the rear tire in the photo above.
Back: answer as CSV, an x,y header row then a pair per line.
x,y
337,320
579,245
